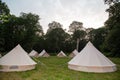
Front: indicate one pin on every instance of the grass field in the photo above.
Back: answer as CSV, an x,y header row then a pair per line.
x,y
54,68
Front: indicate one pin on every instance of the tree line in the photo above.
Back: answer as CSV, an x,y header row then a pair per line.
x,y
27,31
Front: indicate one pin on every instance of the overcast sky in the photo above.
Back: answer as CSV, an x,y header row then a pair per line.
x,y
90,12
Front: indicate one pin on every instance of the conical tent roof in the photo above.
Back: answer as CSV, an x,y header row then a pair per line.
x,y
33,53
43,52
61,53
91,60
17,56
75,52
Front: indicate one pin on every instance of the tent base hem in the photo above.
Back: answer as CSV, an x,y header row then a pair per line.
x,y
5,68
95,69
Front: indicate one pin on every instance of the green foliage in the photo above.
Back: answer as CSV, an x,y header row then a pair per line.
x,y
10,32
53,25
109,2
97,36
4,15
40,44
82,44
79,34
55,39
21,30
4,8
31,28
113,25
75,25
79,38
113,42
114,16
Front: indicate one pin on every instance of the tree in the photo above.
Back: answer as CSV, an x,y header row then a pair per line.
x,y
54,25
78,36
22,30
4,12
40,44
78,31
114,16
9,32
113,26
89,35
4,15
109,2
97,36
55,40
112,42
31,28
4,8
75,25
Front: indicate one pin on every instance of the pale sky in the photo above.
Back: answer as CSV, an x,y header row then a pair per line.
x,y
90,12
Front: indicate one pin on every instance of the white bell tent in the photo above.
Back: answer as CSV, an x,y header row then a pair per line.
x,y
91,60
43,54
74,53
33,53
16,60
61,54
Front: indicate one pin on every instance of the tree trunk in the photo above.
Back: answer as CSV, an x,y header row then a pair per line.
x,y
77,46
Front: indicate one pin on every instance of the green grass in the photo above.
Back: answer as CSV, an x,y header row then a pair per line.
x,y
54,68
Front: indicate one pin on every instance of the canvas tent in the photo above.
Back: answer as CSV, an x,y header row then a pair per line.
x,y
61,54
91,60
16,60
44,54
74,53
33,53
